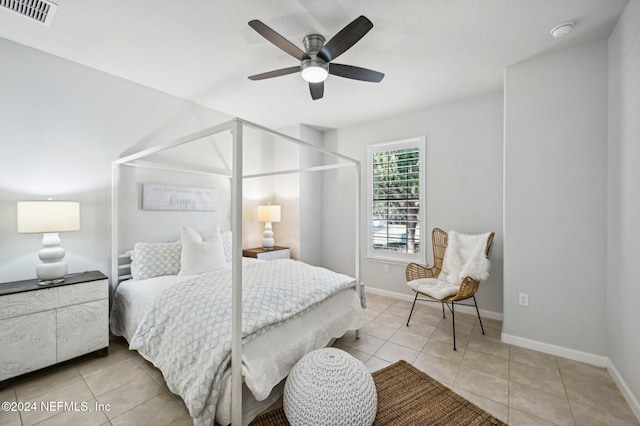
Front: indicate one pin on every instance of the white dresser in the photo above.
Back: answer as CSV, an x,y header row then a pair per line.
x,y
44,325
268,254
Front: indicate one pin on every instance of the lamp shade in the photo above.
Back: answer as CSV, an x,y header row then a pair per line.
x,y
269,213
48,216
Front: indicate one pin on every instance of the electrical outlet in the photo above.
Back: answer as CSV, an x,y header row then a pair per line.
x,y
524,299
386,267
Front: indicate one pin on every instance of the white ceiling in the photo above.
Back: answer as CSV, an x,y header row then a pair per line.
x,y
431,51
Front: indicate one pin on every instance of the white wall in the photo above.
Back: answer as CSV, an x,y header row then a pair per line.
x,y
211,154
464,186
286,190
258,158
137,225
623,224
61,125
311,232
555,198
300,195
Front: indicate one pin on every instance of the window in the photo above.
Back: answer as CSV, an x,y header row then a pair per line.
x,y
396,200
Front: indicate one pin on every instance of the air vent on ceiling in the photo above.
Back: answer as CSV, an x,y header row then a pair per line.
x,y
40,10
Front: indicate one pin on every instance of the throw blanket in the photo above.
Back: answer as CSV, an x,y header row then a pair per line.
x,y
187,333
464,257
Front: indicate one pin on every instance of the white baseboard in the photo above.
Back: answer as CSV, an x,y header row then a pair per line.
x,y
631,399
459,308
586,357
388,293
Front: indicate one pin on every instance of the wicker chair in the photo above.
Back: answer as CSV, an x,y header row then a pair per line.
x,y
468,286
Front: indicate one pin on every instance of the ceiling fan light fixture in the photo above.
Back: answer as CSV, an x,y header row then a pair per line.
x,y
314,70
316,60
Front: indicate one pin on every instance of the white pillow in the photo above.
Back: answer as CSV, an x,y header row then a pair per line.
x,y
200,254
150,260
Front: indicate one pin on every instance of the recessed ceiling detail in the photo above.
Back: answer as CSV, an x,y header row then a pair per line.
x,y
39,10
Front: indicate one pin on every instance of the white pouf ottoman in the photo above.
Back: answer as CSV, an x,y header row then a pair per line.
x,y
330,387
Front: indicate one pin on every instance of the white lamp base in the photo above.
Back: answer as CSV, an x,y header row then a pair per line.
x,y
268,242
53,268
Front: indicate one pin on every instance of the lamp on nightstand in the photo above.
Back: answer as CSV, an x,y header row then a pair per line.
x,y
268,214
49,217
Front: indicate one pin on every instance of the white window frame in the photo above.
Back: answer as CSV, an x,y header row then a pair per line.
x,y
388,256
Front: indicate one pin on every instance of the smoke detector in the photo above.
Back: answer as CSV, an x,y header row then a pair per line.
x,y
39,10
561,30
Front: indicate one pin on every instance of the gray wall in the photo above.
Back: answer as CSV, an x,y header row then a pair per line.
x,y
300,195
311,205
555,158
286,190
61,125
464,186
623,250
137,225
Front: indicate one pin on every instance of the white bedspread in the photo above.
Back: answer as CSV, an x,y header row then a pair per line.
x,y
134,298
273,302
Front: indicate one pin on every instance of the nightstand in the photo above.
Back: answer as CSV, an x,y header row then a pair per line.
x,y
42,325
267,254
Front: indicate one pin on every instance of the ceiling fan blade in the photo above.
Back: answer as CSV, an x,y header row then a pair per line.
x,y
355,73
317,90
346,38
275,73
278,40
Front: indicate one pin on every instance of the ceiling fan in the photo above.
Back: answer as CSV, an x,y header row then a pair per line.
x,y
315,61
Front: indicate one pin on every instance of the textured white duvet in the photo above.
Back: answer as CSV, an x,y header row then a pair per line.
x,y
269,357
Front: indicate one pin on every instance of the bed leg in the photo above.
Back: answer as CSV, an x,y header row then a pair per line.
x,y
357,334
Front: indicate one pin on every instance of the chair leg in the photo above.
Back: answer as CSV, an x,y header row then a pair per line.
x,y
443,316
412,306
453,321
478,311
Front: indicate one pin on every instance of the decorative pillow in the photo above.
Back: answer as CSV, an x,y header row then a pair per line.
x,y
227,244
200,254
150,260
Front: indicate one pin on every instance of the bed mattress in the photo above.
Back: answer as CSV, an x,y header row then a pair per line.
x,y
267,359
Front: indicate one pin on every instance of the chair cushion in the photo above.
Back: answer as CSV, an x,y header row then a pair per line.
x,y
434,287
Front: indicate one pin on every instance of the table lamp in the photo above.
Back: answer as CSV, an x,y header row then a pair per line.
x,y
49,217
268,214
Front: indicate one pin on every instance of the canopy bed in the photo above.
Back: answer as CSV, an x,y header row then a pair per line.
x,y
264,315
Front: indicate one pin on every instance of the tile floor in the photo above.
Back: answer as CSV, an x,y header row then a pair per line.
x,y
519,386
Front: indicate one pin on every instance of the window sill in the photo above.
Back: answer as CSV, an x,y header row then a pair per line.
x,y
393,260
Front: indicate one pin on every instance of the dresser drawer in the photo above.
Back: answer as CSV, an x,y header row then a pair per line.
x,y
82,328
28,343
29,302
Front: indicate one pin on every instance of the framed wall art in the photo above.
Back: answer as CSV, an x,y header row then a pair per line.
x,y
157,196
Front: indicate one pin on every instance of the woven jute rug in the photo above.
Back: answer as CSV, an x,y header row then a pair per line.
x,y
407,396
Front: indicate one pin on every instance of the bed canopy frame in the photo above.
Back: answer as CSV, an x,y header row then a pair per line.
x,y
236,128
